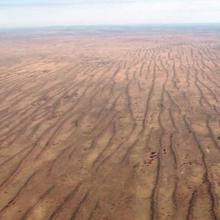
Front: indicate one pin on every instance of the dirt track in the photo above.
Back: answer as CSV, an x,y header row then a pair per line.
x,y
110,126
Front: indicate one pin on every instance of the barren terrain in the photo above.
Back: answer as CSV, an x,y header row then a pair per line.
x,y
110,125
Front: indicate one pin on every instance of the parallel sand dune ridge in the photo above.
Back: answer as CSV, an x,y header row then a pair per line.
x,y
110,125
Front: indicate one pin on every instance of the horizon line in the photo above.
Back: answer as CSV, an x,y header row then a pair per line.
x,y
115,25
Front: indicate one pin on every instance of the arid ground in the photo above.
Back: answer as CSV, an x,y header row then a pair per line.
x,y
119,124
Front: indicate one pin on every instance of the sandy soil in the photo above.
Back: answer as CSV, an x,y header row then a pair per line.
x,y
110,125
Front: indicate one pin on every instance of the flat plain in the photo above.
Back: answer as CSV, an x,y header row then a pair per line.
x,y
110,124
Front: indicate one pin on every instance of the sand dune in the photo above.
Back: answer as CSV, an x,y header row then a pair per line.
x,y
118,125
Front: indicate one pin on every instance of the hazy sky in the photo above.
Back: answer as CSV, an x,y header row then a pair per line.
x,y
32,13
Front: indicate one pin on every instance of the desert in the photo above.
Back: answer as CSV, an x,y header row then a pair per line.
x,y
110,124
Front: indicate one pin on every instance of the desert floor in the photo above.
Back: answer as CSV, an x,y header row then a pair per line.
x,y
119,124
